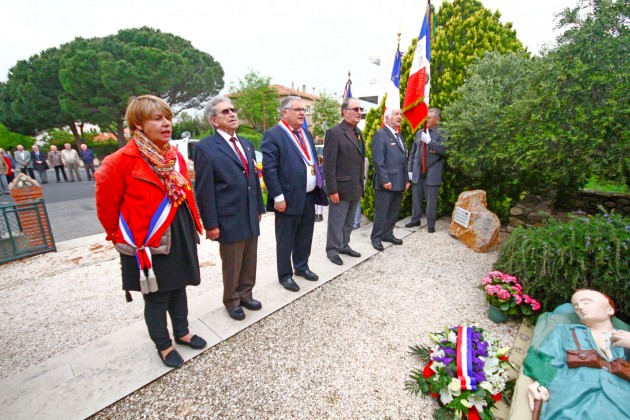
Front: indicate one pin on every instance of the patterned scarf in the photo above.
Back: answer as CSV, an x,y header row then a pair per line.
x,y
163,160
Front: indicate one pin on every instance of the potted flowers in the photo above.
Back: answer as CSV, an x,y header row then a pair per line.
x,y
505,294
465,371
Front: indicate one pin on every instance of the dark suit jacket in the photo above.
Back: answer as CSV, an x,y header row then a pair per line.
x,y
226,198
284,170
344,162
39,156
436,156
389,158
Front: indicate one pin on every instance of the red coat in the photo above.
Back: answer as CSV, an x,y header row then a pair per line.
x,y
126,184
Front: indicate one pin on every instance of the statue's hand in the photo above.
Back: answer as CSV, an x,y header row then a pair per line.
x,y
537,392
620,338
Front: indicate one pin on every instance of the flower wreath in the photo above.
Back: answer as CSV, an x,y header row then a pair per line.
x,y
465,372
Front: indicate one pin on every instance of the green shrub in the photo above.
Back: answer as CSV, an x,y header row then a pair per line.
x,y
554,260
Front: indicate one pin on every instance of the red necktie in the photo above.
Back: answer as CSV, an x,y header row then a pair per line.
x,y
240,155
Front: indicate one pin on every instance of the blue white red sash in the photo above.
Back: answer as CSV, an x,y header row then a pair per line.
x,y
164,212
465,372
309,161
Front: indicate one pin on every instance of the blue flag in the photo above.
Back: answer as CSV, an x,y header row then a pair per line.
x,y
347,93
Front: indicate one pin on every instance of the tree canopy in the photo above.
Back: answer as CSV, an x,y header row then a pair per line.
x,y
326,113
257,102
91,80
465,30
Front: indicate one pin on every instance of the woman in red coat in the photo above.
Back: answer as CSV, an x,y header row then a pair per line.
x,y
145,203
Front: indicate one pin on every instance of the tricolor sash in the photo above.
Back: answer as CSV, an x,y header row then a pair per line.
x,y
164,212
309,161
464,359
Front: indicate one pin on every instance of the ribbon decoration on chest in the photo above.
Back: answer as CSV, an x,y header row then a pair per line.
x,y
164,212
308,155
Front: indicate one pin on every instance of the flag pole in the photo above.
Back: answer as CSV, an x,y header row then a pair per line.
x,y
428,40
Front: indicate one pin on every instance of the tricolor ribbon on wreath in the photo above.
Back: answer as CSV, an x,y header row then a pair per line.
x,y
464,358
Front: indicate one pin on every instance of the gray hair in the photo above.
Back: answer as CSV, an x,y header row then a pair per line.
x,y
345,103
436,111
211,107
286,101
388,112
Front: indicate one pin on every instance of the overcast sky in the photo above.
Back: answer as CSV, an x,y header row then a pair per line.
x,y
312,43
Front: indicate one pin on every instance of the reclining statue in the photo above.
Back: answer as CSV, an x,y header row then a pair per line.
x,y
581,370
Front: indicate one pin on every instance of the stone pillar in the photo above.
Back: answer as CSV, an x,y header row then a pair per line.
x,y
25,190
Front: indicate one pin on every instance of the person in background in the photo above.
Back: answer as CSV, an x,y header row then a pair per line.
x,y
145,203
295,183
425,166
70,159
231,204
87,156
39,164
10,176
54,158
23,161
344,163
389,157
5,167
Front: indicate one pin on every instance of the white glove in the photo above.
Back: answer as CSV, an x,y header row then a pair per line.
x,y
410,175
425,137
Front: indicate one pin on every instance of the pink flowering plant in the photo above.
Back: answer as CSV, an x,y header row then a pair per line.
x,y
505,292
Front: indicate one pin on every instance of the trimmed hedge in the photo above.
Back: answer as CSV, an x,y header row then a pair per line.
x,y
554,260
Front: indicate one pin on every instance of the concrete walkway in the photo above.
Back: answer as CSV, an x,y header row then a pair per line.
x,y
86,379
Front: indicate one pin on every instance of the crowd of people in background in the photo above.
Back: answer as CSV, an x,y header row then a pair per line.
x,y
157,231
37,161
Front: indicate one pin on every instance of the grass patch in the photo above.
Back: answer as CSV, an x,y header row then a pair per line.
x,y
595,184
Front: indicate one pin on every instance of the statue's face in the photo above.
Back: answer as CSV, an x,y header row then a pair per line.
x,y
591,306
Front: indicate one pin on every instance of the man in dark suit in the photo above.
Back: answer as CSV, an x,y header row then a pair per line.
x,y
230,203
39,164
344,153
294,181
389,158
425,166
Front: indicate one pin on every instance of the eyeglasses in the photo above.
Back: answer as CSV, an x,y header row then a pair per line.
x,y
297,109
226,111
357,109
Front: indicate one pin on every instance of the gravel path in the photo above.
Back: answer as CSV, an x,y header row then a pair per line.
x,y
340,351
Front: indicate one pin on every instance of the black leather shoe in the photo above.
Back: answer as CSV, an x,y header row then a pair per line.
x,y
350,252
252,305
377,245
431,230
236,313
195,342
290,284
414,224
172,359
308,275
335,259
392,240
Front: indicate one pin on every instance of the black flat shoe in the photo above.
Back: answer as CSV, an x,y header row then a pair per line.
x,y
252,305
377,245
308,275
195,342
290,284
350,252
335,259
410,225
392,240
172,359
236,313
431,230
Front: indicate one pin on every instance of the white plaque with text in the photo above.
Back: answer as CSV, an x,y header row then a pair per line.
x,y
461,217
